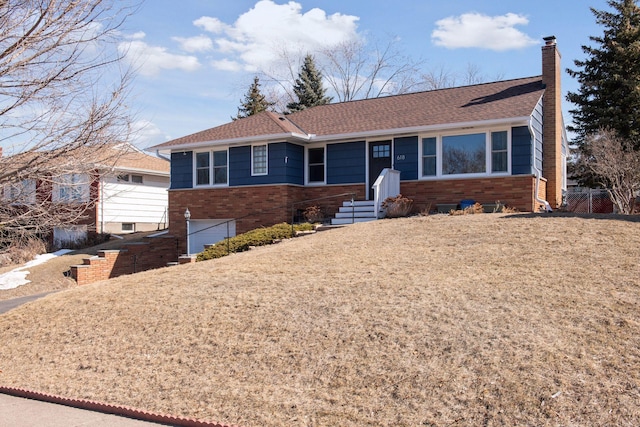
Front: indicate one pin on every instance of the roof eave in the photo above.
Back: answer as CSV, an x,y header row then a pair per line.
x,y
290,136
424,129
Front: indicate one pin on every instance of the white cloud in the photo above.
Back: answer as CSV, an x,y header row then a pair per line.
x,y
481,31
151,59
261,35
146,133
226,65
137,36
212,25
195,44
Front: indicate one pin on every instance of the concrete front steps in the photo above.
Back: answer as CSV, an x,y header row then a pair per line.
x,y
361,211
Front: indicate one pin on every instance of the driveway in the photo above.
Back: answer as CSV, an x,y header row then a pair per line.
x,y
10,304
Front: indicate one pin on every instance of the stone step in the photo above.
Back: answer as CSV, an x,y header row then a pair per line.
x,y
345,221
347,203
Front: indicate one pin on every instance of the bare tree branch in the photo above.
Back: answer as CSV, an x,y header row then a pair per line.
x,y
62,106
614,162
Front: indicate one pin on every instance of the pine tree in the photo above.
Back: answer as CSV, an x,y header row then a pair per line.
x,y
308,88
254,101
609,92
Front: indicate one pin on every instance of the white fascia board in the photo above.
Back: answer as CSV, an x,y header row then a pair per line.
x,y
235,141
424,129
144,171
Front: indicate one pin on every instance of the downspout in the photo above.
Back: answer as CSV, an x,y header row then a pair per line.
x,y
161,156
102,205
547,206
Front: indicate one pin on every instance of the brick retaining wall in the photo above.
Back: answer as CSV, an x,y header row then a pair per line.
x,y
134,257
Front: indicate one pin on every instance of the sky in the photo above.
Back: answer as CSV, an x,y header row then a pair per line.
x,y
195,59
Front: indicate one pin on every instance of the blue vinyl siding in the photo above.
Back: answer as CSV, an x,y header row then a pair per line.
x,y
537,128
405,157
346,163
182,170
520,151
285,165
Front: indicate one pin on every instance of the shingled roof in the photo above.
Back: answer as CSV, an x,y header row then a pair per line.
x,y
467,104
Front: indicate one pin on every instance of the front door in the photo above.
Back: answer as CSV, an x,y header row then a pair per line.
x,y
379,158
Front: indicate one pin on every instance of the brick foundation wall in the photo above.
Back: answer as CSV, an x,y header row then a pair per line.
x,y
133,258
251,206
514,191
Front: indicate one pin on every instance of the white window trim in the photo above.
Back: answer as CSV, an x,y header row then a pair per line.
x,y
211,169
439,175
266,153
306,165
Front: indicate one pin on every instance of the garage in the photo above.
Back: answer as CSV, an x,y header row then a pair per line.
x,y
208,231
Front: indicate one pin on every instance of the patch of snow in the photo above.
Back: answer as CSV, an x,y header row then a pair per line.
x,y
17,276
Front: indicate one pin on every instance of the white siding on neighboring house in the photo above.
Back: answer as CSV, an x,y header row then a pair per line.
x,y
139,206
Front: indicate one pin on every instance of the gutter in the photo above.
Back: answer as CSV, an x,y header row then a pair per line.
x,y
345,136
547,206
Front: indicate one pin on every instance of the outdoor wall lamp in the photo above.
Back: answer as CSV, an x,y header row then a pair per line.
x,y
187,217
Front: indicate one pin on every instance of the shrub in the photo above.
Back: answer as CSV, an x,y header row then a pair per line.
x,y
398,206
476,208
22,251
258,237
313,214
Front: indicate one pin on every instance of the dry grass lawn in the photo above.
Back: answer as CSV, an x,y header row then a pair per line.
x,y
470,320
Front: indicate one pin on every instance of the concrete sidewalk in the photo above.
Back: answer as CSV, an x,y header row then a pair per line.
x,y
21,412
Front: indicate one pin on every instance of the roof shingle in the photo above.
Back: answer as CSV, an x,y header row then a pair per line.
x,y
476,103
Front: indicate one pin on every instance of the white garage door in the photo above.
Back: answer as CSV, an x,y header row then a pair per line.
x,y
208,231
67,237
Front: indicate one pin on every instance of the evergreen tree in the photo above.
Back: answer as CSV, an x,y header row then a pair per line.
x,y
308,88
609,92
254,101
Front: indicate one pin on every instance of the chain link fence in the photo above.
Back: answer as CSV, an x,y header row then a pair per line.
x,y
588,200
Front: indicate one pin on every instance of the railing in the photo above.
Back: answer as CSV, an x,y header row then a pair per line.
x,y
387,185
287,206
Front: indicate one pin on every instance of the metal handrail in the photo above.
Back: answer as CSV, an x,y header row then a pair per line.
x,y
293,205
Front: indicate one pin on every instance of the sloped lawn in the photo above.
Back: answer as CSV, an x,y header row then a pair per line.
x,y
470,320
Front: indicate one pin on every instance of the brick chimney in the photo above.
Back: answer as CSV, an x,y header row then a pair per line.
x,y
552,122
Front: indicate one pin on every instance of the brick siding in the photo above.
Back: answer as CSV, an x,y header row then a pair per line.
x,y
252,206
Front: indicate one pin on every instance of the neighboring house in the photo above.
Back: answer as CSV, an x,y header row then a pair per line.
x,y
133,195
502,141
124,192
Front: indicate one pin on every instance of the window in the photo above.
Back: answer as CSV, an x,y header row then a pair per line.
x,y
499,152
210,172
381,151
316,164
463,154
219,167
476,153
137,179
429,156
203,172
259,160
71,187
128,226
21,193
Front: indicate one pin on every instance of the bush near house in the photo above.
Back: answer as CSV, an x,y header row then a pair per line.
x,y
397,207
258,237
